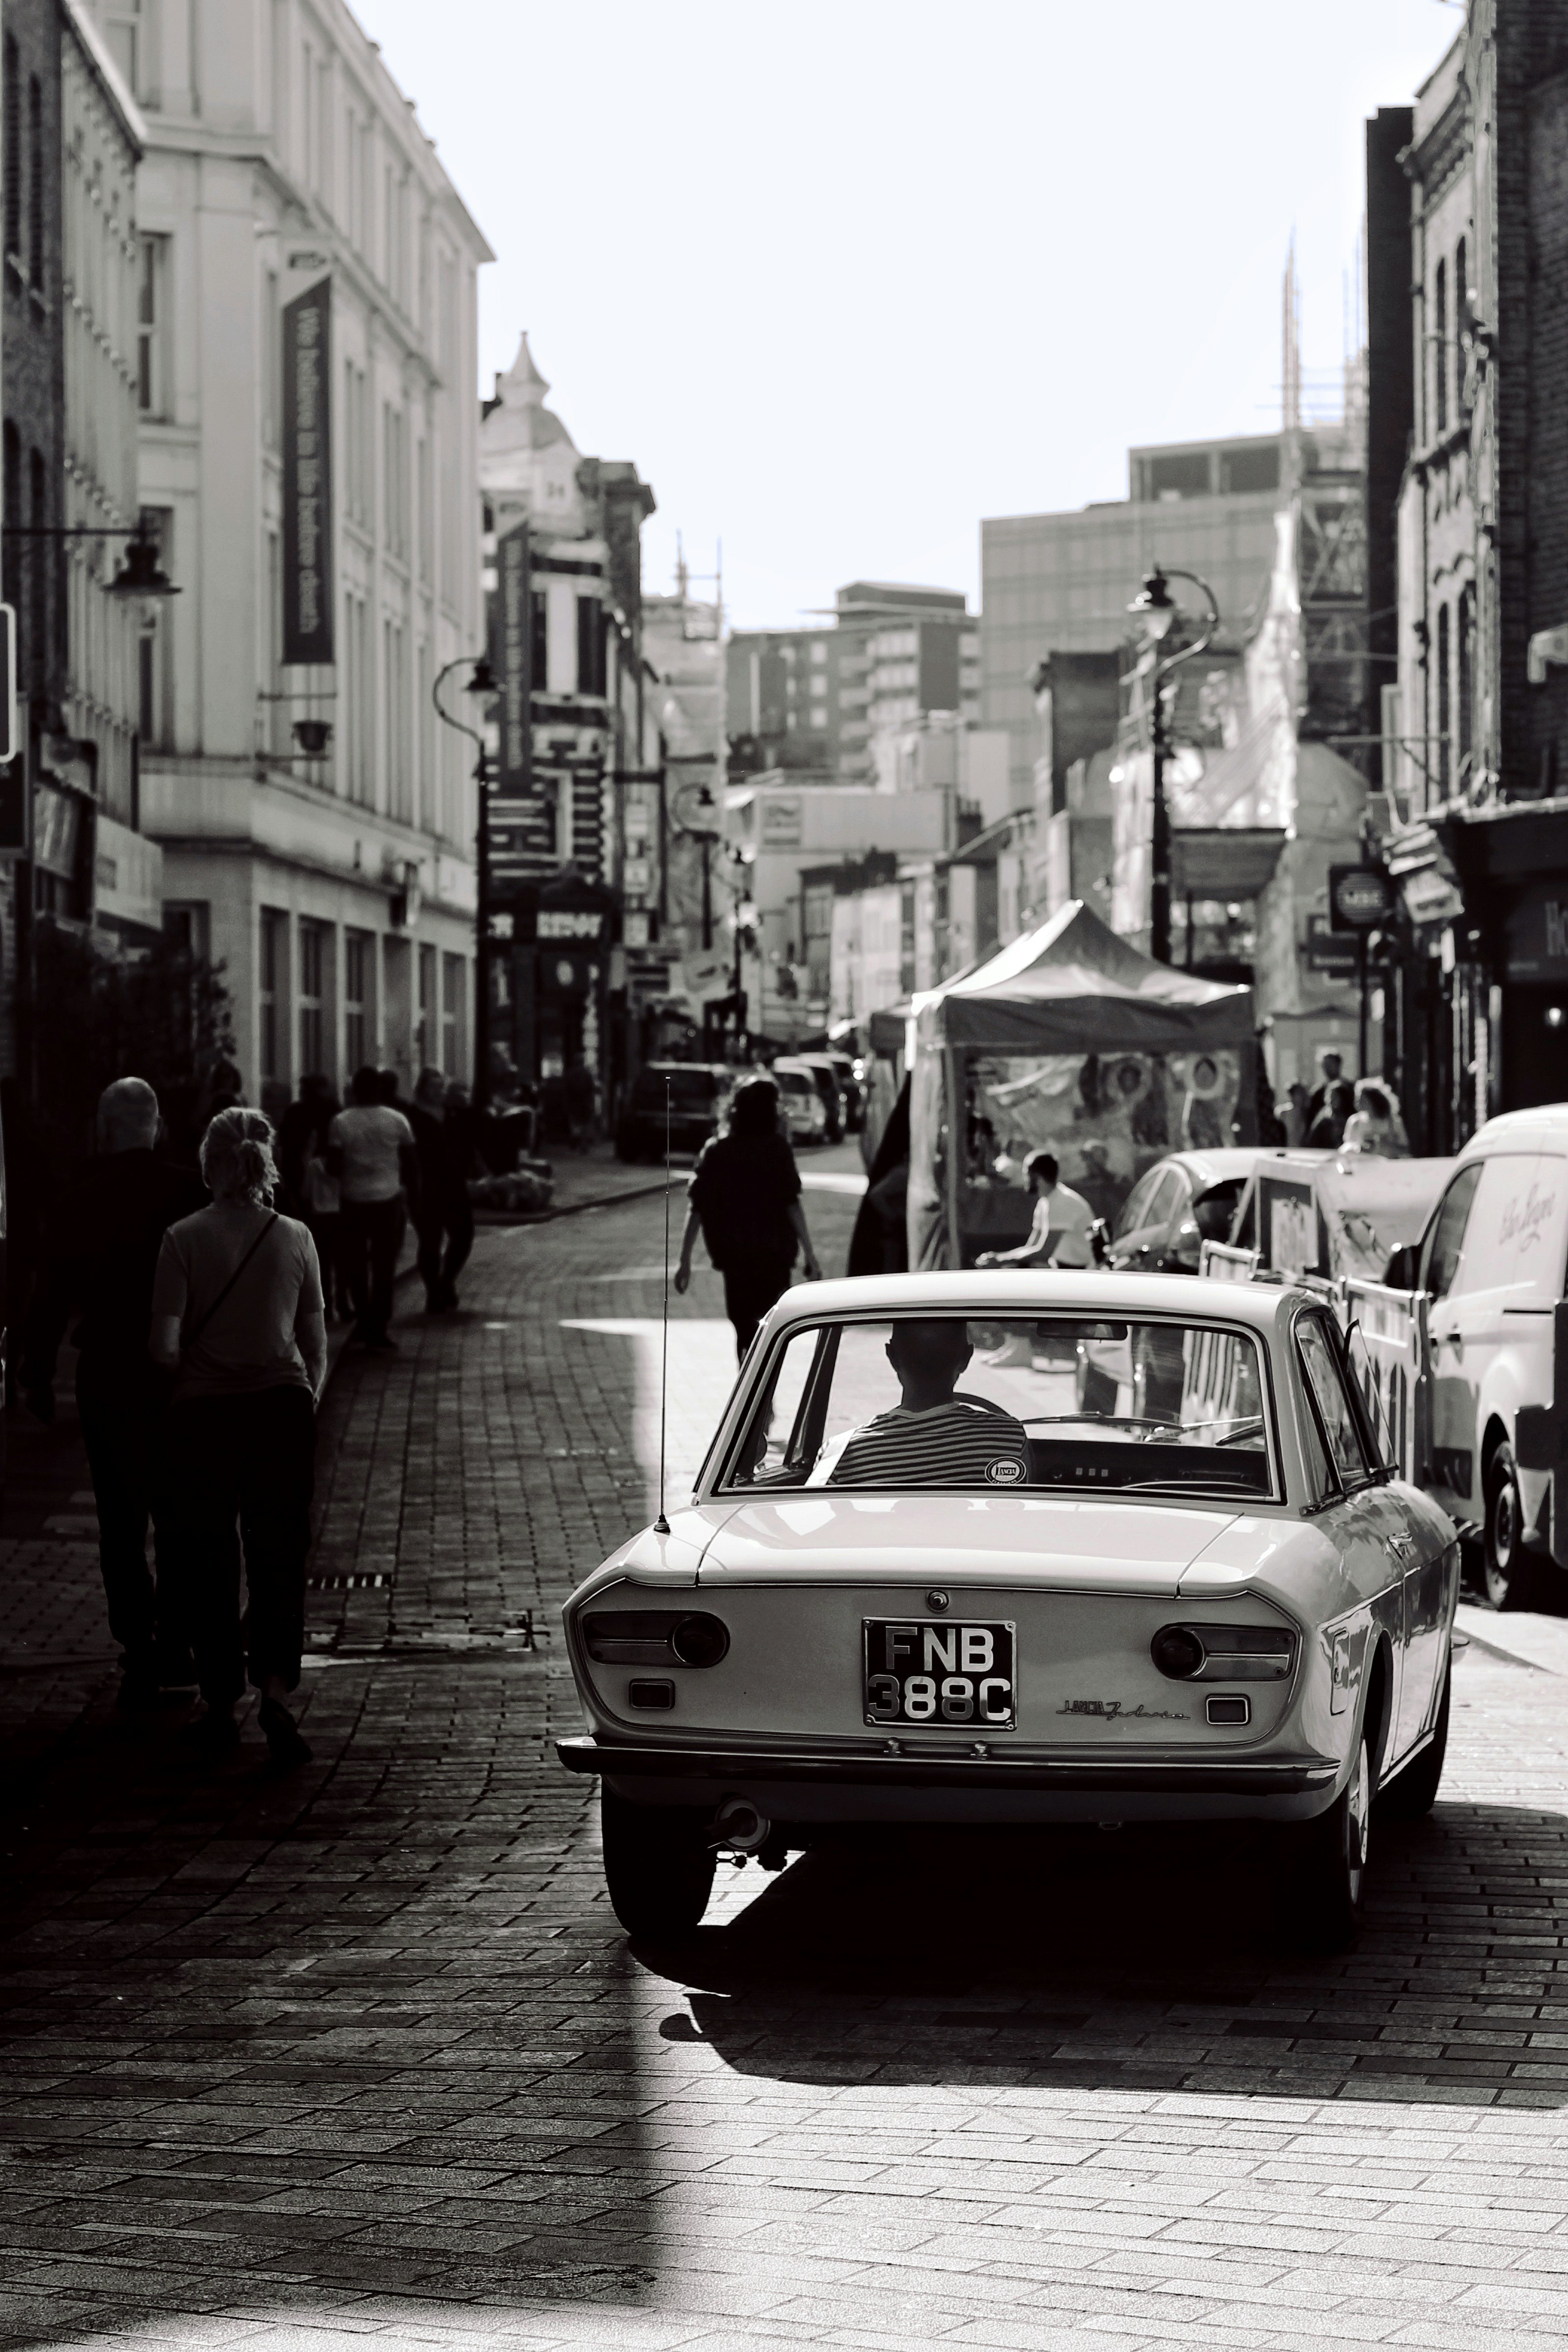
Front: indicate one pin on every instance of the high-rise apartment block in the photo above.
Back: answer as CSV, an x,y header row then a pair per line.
x,y
815,699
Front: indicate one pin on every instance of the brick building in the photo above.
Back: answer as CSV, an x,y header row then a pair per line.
x,y
1479,771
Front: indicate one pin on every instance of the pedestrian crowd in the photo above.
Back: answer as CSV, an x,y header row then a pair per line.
x,y
198,1305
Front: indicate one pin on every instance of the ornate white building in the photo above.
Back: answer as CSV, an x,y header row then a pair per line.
x,y
334,880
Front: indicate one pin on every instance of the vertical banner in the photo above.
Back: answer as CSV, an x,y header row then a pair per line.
x,y
307,583
513,611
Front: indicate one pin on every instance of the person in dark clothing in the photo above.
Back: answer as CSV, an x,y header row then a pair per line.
x,y
299,1131
102,1253
879,1244
1326,1132
581,1103
441,1142
1331,1064
745,1195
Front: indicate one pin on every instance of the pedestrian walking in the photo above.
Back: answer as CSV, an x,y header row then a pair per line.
x,y
1331,1072
297,1133
370,1152
103,1251
581,1103
237,1319
445,1214
745,1197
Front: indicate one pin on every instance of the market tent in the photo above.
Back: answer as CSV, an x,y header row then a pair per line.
x,y
1074,987
1072,990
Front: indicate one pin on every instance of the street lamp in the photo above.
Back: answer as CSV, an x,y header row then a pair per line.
x,y
1156,607
482,681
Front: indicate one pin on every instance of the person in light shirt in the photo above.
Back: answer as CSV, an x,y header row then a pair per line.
x,y
1058,1235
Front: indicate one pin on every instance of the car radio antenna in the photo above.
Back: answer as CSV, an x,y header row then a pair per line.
x,y
661,1524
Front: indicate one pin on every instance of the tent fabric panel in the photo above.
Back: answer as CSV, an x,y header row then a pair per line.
x,y
1089,1025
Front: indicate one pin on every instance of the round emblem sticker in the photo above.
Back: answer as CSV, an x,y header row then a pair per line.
x,y
1004,1474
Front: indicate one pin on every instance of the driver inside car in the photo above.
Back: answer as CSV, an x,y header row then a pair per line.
x,y
934,1436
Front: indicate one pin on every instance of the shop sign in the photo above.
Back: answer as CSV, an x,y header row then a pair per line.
x,y
1360,897
1430,898
1536,934
308,573
781,824
57,830
1332,951
569,923
512,627
127,876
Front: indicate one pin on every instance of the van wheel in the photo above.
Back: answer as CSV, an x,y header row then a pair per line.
x,y
1414,1793
1326,1860
658,1867
1508,1570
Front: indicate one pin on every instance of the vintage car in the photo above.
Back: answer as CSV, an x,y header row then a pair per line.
x,y
1014,1547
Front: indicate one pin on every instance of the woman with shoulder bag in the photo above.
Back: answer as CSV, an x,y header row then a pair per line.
x,y
238,1317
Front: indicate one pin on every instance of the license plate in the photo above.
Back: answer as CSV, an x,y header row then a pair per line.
x,y
936,1671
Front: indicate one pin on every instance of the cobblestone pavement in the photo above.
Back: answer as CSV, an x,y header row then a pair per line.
x,y
360,2052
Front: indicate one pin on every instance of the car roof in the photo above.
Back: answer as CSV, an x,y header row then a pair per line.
x,y
1225,1164
998,1291
1547,1123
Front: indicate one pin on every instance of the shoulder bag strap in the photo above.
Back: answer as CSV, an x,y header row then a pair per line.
x,y
211,1310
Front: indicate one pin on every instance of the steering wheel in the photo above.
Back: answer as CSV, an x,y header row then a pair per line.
x,y
982,1404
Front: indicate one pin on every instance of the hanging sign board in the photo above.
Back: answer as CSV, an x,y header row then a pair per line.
x,y
510,660
1360,897
307,576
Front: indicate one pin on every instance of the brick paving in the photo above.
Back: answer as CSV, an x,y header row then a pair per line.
x,y
359,2051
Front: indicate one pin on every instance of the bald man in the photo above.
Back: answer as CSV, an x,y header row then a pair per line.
x,y
102,1249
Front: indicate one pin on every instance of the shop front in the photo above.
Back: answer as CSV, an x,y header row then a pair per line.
x,y
553,949
1512,864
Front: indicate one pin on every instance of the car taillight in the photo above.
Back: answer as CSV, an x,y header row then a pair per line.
x,y
1224,1653
654,1637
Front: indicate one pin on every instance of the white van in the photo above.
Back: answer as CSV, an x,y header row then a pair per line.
x,y
1493,1263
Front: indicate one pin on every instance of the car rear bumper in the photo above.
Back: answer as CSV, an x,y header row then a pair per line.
x,y
841,1784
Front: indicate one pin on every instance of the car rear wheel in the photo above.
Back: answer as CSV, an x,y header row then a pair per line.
x,y
1510,1574
658,1866
1327,1862
1414,1793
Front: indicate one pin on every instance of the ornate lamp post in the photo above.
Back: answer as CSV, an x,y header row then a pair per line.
x,y
481,681
1156,607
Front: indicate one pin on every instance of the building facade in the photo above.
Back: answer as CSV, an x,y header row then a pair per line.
x,y
1061,582
1476,763
818,698
305,356
576,831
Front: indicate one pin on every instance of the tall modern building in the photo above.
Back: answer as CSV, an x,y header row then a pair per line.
x,y
1061,582
305,362
814,698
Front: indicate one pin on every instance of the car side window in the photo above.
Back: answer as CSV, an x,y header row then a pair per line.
x,y
1161,1207
1130,1214
1447,1242
1338,1421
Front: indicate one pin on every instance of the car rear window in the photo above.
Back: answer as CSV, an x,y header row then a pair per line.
x,y
1073,1403
689,1089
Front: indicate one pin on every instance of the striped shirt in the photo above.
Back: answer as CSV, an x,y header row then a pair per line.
x,y
949,1445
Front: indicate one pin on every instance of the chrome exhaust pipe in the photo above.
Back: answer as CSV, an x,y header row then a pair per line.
x,y
739,1825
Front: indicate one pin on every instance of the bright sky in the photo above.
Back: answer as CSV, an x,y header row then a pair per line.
x,y
842,278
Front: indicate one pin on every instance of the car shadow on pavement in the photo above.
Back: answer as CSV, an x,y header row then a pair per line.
x,y
1149,1959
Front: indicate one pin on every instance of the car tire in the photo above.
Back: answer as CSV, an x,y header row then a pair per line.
x,y
1327,1863
658,1867
1509,1577
1414,1792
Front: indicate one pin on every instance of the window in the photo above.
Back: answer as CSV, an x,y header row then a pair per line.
x,y
358,947
152,302
313,955
1078,1405
395,483
35,183
272,359
427,517
425,812
539,647
269,992
1464,663
1447,1238
1440,346
154,700
1339,1425
122,31
188,924
12,134
37,663
1444,712
452,992
395,651
590,645
425,1041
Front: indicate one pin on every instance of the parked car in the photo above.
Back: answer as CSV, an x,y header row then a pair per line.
x,y
699,1095
924,1577
1489,1273
800,1101
1183,1201
820,1069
